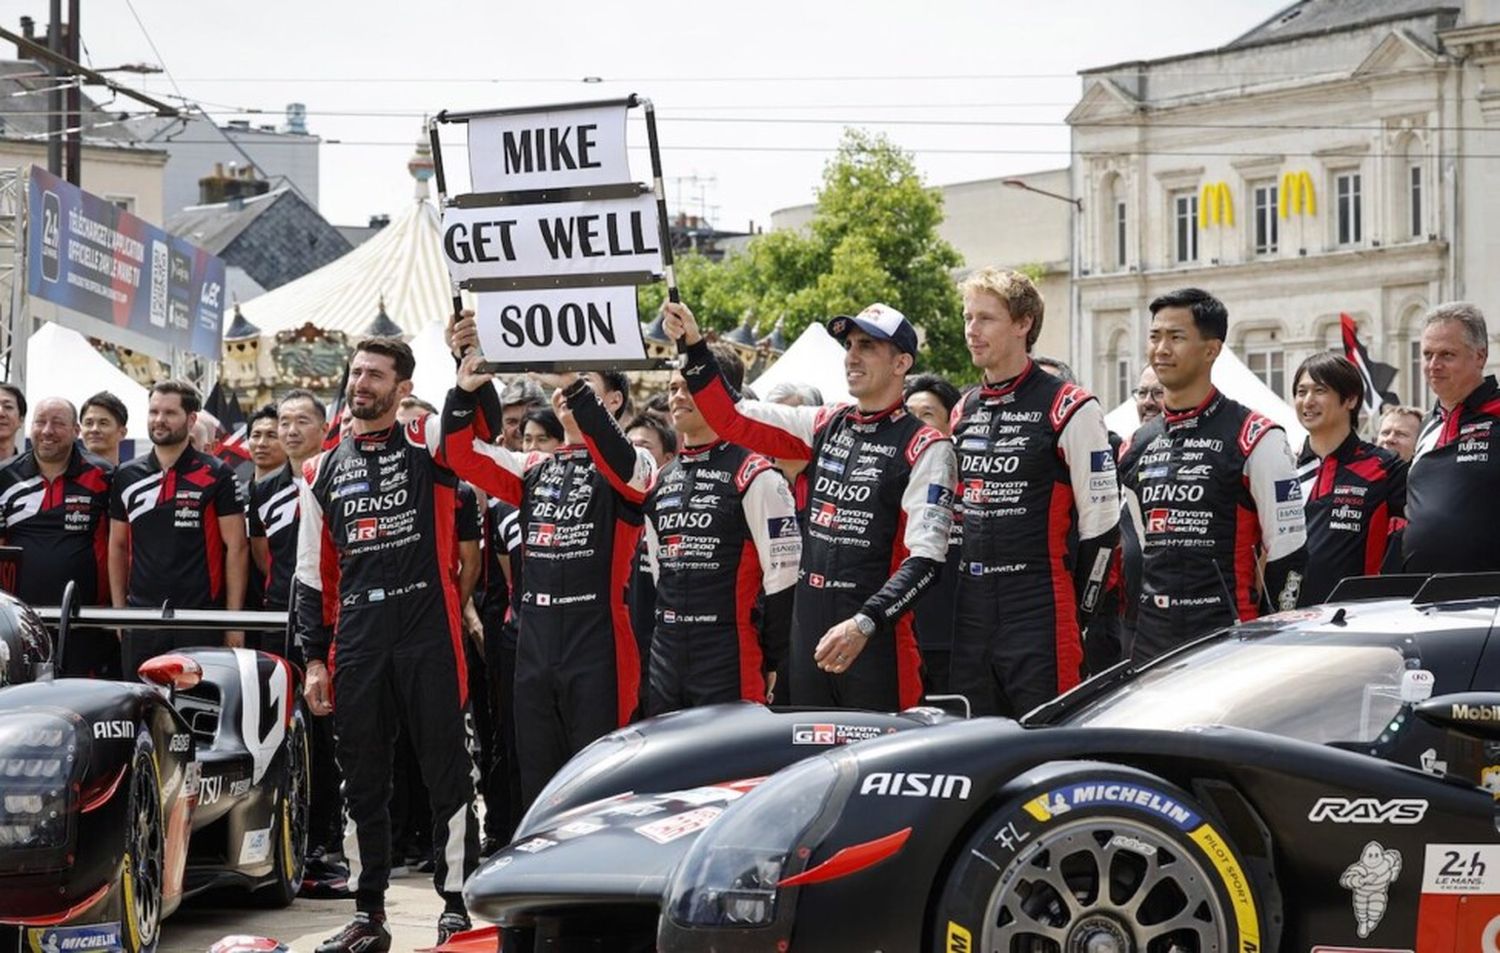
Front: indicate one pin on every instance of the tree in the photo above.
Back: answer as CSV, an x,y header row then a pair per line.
x,y
873,237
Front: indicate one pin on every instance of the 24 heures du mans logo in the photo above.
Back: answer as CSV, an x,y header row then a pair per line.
x,y
1369,810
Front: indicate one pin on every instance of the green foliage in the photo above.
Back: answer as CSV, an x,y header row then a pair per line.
x,y
873,238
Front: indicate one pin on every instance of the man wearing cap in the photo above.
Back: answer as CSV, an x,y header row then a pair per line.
x,y
1040,508
880,505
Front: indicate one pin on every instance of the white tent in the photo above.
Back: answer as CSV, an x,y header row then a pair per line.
x,y
814,358
401,266
61,363
1233,378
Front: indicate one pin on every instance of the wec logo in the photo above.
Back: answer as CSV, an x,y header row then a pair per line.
x,y
1368,810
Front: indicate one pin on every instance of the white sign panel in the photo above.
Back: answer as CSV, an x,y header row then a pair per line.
x,y
561,238
549,150
560,324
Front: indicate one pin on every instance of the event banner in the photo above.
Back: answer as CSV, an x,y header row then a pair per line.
x,y
555,236
126,280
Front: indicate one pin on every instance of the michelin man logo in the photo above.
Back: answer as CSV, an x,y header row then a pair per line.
x,y
1370,879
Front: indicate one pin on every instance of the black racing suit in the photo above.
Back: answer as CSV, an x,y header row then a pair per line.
x,y
1034,467
877,519
577,663
62,528
721,530
1453,488
378,601
1211,490
1351,501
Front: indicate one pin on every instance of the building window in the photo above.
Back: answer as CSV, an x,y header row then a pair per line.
x,y
1270,367
1414,201
1348,205
1416,386
123,202
1185,213
1122,380
1265,222
1119,234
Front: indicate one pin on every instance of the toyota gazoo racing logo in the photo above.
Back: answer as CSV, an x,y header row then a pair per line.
x,y
1368,810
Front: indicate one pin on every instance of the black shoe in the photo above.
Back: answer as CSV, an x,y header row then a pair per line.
x,y
451,923
366,933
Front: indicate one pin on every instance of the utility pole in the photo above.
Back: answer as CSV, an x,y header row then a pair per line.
x,y
74,117
54,95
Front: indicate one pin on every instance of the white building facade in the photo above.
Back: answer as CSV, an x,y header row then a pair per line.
x,y
1341,157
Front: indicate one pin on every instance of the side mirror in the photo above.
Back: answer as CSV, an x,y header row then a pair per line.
x,y
1472,713
177,672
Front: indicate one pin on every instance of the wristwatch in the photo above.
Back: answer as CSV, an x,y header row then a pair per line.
x,y
864,624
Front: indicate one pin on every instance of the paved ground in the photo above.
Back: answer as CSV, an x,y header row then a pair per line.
x,y
411,904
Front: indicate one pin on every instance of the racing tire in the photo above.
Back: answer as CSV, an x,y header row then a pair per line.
x,y
141,868
290,831
1114,861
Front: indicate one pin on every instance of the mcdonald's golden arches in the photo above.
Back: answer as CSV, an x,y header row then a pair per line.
x,y
1216,205
1296,195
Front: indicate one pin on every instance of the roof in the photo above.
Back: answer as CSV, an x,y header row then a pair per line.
x,y
275,238
213,227
402,263
1308,17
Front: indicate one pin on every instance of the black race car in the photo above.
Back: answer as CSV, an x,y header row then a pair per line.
x,y
1316,780
119,799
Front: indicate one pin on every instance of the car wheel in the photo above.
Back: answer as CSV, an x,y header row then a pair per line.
x,y
1101,873
141,868
290,834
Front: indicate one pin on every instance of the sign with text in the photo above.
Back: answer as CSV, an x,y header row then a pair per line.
x,y
559,238
555,236
548,150
583,324
123,279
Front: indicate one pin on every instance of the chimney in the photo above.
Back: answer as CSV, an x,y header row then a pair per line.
x,y
378,222
234,185
296,118
28,30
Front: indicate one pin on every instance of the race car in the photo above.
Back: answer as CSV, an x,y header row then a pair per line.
x,y
1289,784
120,799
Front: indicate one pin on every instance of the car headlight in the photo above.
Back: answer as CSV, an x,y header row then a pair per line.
x,y
729,876
605,754
37,756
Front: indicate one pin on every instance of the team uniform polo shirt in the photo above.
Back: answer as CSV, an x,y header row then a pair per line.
x,y
273,517
61,526
176,551
1351,500
1453,488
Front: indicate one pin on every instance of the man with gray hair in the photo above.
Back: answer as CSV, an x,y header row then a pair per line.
x,y
1451,487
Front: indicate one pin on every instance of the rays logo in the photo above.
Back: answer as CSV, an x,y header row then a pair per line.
x,y
1369,810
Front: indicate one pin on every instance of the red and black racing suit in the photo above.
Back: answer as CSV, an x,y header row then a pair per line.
x,y
721,530
1351,500
378,601
1452,503
1034,467
1211,489
877,518
577,663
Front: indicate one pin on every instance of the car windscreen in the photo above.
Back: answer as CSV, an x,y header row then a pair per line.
x,y
1311,690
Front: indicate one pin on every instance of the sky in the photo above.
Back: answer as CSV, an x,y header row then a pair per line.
x,y
751,98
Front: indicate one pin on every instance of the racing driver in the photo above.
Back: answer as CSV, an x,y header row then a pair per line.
x,y
1211,486
1034,466
378,612
879,510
